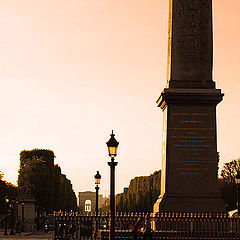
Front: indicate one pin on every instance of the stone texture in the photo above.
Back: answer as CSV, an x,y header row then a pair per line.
x,y
189,150
190,44
29,214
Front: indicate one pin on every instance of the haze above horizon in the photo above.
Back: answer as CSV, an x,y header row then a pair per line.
x,y
71,71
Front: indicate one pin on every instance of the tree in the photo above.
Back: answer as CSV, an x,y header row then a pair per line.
x,y
229,171
226,183
50,188
6,190
36,172
1,175
141,194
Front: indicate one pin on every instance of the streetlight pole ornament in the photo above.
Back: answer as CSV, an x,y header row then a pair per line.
x,y
97,178
112,145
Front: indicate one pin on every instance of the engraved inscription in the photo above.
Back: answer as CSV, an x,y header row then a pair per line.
x,y
191,141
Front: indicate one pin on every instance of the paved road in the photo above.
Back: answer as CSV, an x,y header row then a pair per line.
x,y
29,236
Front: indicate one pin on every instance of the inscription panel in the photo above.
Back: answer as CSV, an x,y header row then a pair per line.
x,y
191,148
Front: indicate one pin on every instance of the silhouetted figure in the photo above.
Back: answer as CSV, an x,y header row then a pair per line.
x,y
66,230
147,231
18,227
135,229
61,230
72,230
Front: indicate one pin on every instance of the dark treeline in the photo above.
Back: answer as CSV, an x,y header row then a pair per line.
x,y
6,189
50,188
144,191
141,194
227,185
53,191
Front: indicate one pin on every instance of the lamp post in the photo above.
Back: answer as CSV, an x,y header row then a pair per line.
x,y
237,179
6,216
23,216
97,182
17,202
17,219
112,145
12,203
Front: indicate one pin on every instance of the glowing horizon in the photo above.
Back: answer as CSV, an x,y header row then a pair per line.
x,y
73,71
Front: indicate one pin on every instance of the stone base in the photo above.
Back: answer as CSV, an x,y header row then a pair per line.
x,y
30,225
28,212
189,204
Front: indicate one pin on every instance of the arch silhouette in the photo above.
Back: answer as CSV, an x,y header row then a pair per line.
x,y
90,196
88,206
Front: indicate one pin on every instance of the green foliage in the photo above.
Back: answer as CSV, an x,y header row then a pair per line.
x,y
141,195
229,171
226,183
50,188
1,175
6,189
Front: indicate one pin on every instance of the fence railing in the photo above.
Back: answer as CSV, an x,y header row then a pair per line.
x,y
164,226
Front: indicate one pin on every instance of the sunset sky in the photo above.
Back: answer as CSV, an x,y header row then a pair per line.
x,y
73,70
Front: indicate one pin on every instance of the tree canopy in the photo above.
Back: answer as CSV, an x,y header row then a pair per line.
x,y
50,188
227,185
141,194
229,171
6,190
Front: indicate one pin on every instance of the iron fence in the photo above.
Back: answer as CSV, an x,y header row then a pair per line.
x,y
164,226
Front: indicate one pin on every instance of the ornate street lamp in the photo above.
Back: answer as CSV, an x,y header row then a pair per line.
x,y
6,216
112,145
97,178
97,182
237,180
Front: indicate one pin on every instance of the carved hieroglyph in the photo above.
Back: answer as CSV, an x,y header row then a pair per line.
x,y
190,40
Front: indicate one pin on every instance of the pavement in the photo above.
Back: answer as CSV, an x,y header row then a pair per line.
x,y
28,235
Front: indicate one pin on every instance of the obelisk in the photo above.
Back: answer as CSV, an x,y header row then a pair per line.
x,y
189,149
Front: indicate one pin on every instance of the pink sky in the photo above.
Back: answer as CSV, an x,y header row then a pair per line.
x,y
71,71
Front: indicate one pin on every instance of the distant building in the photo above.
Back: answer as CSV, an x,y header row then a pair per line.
x,y
87,201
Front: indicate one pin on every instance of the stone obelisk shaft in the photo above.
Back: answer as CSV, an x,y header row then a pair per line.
x,y
190,45
189,149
